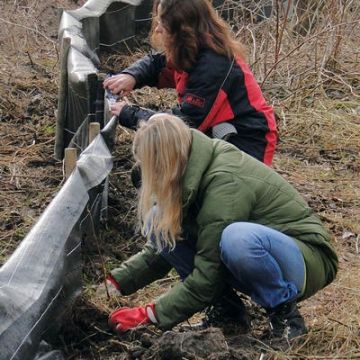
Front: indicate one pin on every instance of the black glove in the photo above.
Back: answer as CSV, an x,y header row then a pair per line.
x,y
131,115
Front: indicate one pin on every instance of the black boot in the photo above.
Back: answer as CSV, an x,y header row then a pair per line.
x,y
228,313
286,322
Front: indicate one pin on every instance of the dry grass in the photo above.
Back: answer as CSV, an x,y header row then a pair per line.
x,y
309,68
29,176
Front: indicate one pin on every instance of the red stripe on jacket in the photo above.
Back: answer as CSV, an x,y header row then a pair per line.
x,y
257,101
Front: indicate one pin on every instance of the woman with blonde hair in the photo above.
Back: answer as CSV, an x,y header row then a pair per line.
x,y
217,92
220,218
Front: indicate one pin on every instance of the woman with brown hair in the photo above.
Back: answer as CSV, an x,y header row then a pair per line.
x,y
220,218
217,92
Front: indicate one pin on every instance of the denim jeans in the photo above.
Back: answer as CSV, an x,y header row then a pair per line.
x,y
262,262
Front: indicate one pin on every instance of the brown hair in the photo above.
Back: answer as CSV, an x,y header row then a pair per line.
x,y
161,147
192,25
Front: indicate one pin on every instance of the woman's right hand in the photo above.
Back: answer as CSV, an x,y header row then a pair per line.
x,y
120,84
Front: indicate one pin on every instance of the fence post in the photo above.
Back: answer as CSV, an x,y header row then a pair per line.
x,y
99,103
61,108
70,158
94,130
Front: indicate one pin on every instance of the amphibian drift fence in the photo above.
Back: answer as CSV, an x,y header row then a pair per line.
x,y
83,34
42,278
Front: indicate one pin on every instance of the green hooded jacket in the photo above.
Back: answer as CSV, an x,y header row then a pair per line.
x,y
223,185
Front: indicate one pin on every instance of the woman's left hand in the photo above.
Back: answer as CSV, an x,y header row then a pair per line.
x,y
117,107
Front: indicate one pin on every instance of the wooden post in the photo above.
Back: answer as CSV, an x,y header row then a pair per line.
x,y
91,92
63,93
94,130
99,102
69,161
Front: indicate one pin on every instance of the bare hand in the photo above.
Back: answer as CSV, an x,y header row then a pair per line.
x,y
117,107
120,84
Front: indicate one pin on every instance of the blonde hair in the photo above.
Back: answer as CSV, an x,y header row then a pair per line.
x,y
161,148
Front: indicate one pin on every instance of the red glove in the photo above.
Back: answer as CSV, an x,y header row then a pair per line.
x,y
124,319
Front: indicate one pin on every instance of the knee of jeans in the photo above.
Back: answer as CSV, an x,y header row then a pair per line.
x,y
234,242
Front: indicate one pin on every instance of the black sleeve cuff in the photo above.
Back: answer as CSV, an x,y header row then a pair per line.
x,y
131,115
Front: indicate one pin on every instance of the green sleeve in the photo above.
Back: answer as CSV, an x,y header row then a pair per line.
x,y
140,270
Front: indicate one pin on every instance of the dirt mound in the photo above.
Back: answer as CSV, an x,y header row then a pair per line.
x,y
207,344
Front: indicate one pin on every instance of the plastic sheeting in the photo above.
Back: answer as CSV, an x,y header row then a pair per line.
x,y
42,278
116,17
95,8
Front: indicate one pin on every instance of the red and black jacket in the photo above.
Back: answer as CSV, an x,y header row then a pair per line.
x,y
215,90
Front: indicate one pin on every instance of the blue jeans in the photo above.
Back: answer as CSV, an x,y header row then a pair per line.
x,y
262,262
